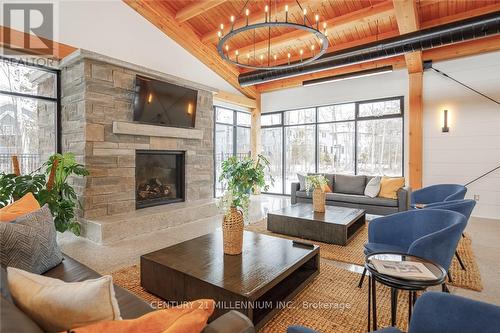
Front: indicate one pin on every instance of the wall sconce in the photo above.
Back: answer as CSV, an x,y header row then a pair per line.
x,y
190,109
150,98
445,128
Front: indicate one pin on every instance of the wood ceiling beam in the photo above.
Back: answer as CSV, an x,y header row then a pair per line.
x,y
231,98
408,21
17,43
211,36
183,34
464,49
368,14
461,16
196,8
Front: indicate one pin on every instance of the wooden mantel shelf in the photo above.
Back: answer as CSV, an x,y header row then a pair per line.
x,y
121,127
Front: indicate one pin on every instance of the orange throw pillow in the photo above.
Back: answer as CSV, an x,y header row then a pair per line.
x,y
326,188
187,318
23,206
389,187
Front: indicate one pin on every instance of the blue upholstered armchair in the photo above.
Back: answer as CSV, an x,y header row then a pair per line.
x,y
463,207
432,234
444,313
438,193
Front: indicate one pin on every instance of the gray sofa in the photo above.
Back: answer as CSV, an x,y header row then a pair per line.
x,y
348,191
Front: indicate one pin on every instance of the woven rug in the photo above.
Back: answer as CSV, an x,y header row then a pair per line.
x,y
331,303
353,254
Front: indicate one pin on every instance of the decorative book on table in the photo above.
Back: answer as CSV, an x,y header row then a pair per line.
x,y
403,269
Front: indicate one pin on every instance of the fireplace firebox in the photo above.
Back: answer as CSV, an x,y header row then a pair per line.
x,y
159,177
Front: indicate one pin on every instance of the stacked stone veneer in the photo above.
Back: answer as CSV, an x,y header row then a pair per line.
x,y
94,94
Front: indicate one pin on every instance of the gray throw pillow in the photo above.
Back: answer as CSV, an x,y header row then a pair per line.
x,y
302,181
348,184
30,242
373,187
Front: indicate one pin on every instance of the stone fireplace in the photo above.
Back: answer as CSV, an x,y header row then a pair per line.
x,y
159,177
133,165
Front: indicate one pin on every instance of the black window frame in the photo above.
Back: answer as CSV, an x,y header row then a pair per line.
x,y
57,99
235,126
356,119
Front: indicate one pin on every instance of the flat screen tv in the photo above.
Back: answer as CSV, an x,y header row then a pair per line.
x,y
165,104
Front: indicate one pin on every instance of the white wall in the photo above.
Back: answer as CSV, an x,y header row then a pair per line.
x,y
472,146
112,28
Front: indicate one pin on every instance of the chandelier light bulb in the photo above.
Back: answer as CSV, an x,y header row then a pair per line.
x,y
219,34
305,11
312,47
222,26
286,8
316,17
288,55
261,57
324,25
237,53
275,57
266,9
248,55
227,47
232,18
247,12
301,52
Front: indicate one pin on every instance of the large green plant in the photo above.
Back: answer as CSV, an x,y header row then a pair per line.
x,y
60,195
242,176
315,181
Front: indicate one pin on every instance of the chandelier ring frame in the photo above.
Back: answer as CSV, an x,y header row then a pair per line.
x,y
226,38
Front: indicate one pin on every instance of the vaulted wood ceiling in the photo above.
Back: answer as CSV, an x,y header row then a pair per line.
x,y
194,25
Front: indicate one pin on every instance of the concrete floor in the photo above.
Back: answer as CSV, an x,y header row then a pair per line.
x,y
105,259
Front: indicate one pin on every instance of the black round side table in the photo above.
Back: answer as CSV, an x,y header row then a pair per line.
x,y
396,284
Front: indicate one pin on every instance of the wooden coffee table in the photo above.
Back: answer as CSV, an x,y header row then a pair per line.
x,y
269,272
337,225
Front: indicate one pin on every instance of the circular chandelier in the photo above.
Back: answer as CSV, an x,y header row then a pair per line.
x,y
269,60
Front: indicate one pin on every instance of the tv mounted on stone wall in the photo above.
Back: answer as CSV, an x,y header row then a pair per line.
x,y
164,104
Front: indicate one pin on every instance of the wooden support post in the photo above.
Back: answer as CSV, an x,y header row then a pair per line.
x,y
255,135
416,129
15,166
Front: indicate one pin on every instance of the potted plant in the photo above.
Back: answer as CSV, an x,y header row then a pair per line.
x,y
317,183
242,176
56,190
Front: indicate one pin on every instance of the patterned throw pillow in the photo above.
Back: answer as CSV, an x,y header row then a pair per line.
x,y
30,242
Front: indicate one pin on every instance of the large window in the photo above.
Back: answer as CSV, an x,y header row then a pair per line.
x,y
353,138
28,115
232,138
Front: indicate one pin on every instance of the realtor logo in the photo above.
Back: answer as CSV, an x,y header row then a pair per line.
x,y
31,28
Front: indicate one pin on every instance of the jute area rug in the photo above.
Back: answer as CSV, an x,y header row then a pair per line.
x,y
331,303
353,254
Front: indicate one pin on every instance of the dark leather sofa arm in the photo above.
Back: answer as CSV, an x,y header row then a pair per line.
x,y
293,194
231,322
404,194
